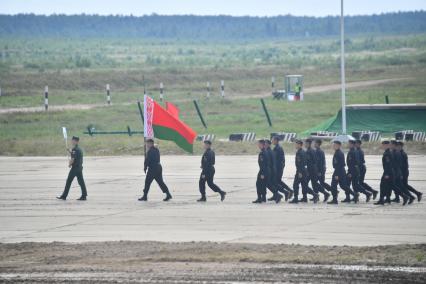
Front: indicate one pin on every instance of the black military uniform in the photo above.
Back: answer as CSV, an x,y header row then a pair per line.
x,y
339,178
399,188
322,168
262,176
75,171
313,171
386,182
207,175
352,160
301,177
279,169
155,172
363,171
406,173
271,180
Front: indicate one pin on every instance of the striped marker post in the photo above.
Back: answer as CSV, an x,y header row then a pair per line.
x,y
273,83
108,94
161,91
222,88
208,89
46,98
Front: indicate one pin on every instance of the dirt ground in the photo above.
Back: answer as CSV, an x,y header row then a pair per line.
x,y
195,262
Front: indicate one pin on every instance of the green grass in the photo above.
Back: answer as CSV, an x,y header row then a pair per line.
x,y
184,68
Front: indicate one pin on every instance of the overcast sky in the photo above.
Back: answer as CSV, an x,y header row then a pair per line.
x,y
212,7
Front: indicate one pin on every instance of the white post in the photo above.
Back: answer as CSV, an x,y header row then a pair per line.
x,y
161,91
273,83
46,98
208,89
342,67
108,94
222,88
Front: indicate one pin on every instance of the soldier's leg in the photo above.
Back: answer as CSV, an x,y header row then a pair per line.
x,y
367,187
211,184
404,189
316,184
148,180
343,183
80,180
202,185
280,184
258,188
323,183
70,178
358,188
159,179
296,183
307,189
409,187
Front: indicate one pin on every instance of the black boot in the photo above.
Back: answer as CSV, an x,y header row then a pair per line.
x,y
168,196
83,198
291,193
380,202
61,197
375,192
419,196
278,198
259,200
222,195
326,196
294,201
144,197
367,197
334,201
202,199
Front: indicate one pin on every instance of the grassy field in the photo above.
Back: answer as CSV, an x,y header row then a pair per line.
x,y
77,71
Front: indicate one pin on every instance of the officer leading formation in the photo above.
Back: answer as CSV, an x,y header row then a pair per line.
x,y
310,165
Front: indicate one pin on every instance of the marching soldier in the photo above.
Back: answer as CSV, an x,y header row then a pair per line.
x,y
339,176
405,171
352,161
313,170
207,173
363,169
76,170
272,185
155,171
301,176
322,165
263,174
280,165
399,188
386,182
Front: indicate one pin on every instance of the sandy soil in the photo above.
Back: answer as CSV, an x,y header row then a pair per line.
x,y
154,262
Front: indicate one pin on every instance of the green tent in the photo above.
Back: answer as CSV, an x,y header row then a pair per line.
x,y
386,118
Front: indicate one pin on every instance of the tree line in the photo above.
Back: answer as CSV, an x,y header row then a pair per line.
x,y
190,27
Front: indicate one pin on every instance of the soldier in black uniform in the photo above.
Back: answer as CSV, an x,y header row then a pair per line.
x,y
280,165
272,185
313,170
399,188
322,165
76,165
363,169
207,173
339,175
386,182
405,171
301,176
155,171
352,160
264,172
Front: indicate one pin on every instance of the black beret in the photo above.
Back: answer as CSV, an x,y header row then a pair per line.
x,y
400,143
358,141
337,142
298,141
318,141
393,142
208,142
275,138
267,141
261,141
76,138
352,141
149,140
385,142
309,140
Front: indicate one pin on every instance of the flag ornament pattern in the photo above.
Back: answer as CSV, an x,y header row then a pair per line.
x,y
161,124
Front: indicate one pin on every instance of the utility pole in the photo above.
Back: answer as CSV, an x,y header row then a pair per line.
x,y
342,67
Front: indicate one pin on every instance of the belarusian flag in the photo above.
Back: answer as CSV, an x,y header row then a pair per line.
x,y
161,124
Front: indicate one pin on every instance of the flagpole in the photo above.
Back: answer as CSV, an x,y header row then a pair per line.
x,y
342,67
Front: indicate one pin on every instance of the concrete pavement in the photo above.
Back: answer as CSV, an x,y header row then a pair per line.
x,y
30,212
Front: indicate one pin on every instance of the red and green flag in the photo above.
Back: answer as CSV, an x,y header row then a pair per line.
x,y
161,124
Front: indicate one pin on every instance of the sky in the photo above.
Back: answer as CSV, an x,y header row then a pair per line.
x,y
212,7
